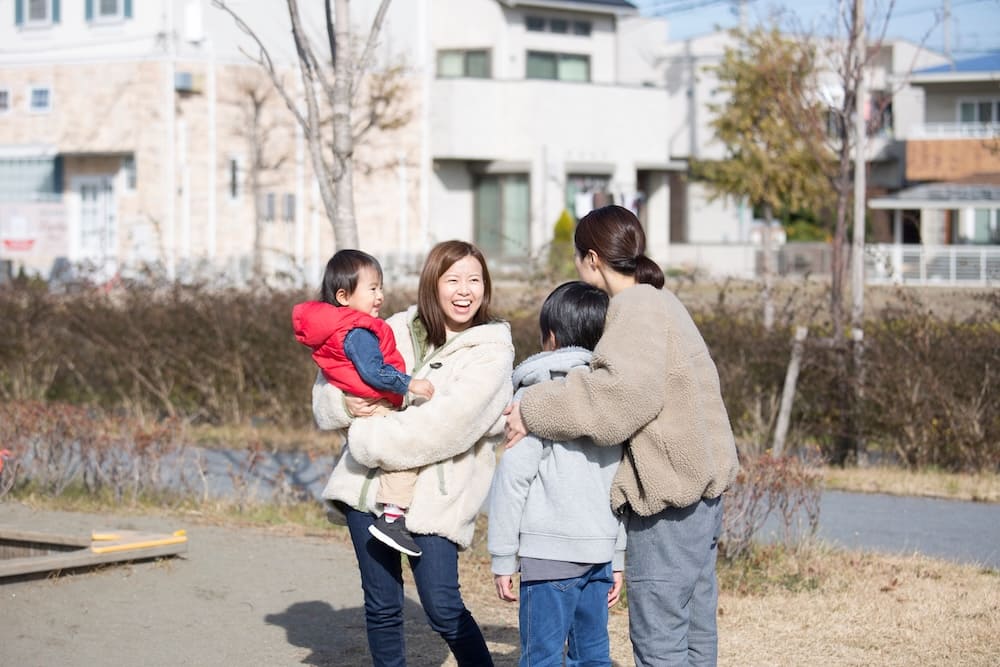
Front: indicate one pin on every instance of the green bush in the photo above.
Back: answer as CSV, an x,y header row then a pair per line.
x,y
561,250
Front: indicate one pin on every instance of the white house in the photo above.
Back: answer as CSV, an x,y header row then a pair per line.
x,y
124,132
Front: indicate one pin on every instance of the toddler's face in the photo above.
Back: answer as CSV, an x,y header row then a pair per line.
x,y
367,296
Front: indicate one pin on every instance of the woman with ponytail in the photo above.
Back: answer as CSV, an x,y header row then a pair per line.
x,y
654,387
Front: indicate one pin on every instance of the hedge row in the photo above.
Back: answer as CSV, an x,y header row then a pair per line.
x,y
931,385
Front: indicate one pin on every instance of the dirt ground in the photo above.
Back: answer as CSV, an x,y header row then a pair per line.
x,y
239,596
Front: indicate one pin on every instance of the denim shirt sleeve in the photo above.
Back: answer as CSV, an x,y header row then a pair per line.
x,y
361,347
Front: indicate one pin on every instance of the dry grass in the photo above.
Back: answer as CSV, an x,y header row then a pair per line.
x,y
270,437
868,610
982,487
817,606
821,607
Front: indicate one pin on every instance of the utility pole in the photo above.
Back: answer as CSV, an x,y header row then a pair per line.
x,y
858,241
946,32
858,245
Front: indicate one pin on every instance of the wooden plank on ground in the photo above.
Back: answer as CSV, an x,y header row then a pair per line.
x,y
102,548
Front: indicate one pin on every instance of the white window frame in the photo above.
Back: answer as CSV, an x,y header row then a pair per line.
x,y
37,23
117,17
10,101
31,96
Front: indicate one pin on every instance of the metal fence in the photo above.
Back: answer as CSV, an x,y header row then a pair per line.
x,y
953,265
885,264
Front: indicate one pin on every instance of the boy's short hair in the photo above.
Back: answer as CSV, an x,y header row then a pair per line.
x,y
574,313
342,273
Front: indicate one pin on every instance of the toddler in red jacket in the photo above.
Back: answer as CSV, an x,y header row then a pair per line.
x,y
356,351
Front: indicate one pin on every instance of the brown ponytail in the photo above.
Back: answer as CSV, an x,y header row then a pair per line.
x,y
616,235
648,272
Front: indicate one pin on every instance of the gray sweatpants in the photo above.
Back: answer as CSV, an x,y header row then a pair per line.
x,y
672,590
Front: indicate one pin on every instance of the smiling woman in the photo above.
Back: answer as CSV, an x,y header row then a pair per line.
x,y
451,339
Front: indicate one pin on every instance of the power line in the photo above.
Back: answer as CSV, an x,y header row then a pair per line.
x,y
678,6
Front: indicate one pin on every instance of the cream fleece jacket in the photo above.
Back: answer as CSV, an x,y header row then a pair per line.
x,y
652,383
450,438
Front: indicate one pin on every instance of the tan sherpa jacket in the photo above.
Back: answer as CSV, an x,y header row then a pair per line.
x,y
654,384
450,437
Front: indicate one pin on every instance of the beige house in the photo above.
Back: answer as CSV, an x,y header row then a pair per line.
x,y
127,134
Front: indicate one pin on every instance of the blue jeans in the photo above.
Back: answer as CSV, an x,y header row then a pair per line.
x,y
671,584
566,611
436,576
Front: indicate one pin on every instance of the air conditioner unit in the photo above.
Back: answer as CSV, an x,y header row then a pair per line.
x,y
187,82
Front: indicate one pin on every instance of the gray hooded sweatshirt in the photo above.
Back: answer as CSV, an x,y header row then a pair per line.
x,y
551,500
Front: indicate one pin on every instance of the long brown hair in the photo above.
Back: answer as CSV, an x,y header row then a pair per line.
x,y
439,260
616,235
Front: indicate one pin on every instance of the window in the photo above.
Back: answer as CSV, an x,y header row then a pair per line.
x,y
268,206
129,173
40,99
558,66
982,228
30,178
288,207
878,118
102,11
235,181
34,13
502,219
4,100
39,11
979,111
558,26
585,192
534,23
469,63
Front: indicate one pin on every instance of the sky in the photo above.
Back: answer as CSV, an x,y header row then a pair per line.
x,y
974,27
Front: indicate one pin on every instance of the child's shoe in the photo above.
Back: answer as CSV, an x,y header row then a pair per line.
x,y
395,535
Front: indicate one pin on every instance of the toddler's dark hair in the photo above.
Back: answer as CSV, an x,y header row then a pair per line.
x,y
342,273
574,313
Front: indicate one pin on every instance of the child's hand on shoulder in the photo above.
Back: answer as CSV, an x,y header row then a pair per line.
x,y
421,388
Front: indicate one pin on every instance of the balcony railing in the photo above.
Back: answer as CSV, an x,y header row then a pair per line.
x,y
955,131
952,265
885,264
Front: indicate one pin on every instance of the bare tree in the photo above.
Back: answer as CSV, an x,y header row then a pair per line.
x,y
334,82
258,126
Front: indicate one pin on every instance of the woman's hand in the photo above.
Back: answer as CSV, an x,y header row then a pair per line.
x,y
515,429
363,407
505,587
616,589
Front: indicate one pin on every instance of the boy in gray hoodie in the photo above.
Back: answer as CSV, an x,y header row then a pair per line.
x,y
550,511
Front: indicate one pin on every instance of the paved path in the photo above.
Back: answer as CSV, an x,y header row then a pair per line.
x,y
961,531
238,597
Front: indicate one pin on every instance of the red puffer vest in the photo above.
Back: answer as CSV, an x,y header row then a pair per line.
x,y
323,327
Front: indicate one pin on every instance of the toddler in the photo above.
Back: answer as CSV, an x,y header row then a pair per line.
x,y
356,351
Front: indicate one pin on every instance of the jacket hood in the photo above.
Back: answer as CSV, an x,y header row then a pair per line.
x,y
314,322
545,366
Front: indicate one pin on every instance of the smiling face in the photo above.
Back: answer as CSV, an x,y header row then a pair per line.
x,y
460,292
367,296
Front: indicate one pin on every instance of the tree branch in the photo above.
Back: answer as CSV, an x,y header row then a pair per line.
x,y
366,55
